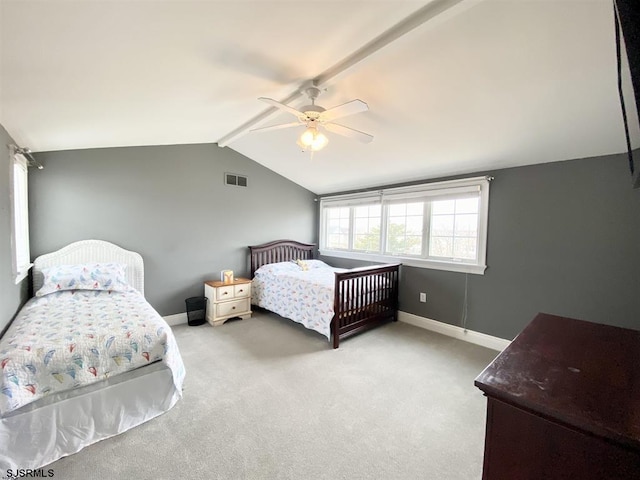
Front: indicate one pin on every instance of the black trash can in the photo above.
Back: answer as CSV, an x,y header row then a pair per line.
x,y
196,310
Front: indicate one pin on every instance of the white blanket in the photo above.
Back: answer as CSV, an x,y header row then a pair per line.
x,y
304,296
73,338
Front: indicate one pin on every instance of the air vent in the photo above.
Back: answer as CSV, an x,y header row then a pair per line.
x,y
235,180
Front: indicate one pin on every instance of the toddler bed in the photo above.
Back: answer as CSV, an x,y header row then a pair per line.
x,y
85,359
334,302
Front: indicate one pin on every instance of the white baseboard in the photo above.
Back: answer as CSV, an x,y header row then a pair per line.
x,y
177,319
454,331
488,341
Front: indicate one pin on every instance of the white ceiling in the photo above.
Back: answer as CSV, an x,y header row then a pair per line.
x,y
484,85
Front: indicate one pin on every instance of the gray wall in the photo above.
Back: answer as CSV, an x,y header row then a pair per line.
x,y
564,238
12,296
170,204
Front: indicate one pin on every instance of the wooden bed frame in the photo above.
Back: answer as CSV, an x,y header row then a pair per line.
x,y
363,297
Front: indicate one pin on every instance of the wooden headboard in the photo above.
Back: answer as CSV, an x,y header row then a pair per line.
x,y
279,251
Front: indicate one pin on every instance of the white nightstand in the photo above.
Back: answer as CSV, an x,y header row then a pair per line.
x,y
227,300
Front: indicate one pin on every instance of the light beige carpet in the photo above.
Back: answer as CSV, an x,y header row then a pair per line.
x,y
266,399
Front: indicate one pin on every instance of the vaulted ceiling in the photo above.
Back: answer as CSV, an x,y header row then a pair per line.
x,y
467,86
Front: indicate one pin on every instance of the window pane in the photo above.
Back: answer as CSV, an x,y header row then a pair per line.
x,y
442,225
413,245
405,228
441,247
337,241
369,242
361,225
396,226
443,206
466,225
338,212
465,247
20,227
367,228
395,244
467,205
414,225
337,227
455,234
397,209
367,211
415,208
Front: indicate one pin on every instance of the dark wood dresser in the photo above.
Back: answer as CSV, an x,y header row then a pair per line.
x,y
563,402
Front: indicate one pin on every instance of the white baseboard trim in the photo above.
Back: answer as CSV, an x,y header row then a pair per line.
x,y
488,341
177,319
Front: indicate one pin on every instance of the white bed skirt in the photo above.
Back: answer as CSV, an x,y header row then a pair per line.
x,y
60,425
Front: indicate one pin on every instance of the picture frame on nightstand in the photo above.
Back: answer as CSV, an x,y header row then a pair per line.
x,y
226,276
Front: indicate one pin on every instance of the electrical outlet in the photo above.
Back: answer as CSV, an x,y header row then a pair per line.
x,y
423,297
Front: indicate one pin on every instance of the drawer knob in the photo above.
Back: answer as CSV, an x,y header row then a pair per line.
x,y
233,308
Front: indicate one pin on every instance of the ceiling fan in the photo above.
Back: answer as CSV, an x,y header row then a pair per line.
x,y
315,117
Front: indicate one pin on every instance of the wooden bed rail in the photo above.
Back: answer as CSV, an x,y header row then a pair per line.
x,y
364,298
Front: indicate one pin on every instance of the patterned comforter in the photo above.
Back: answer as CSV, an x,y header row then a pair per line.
x,y
69,339
304,296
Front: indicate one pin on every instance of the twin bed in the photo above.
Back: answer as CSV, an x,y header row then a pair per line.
x,y
88,358
336,303
85,359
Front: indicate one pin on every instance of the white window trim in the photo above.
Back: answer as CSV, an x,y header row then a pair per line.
x,y
20,269
437,188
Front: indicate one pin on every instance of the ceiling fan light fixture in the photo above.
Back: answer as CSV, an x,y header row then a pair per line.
x,y
312,139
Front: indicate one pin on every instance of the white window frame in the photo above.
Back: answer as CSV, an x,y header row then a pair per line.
x,y
18,191
430,190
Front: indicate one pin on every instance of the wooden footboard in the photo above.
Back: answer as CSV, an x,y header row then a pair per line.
x,y
364,298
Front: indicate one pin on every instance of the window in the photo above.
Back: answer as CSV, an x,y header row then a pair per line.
x,y
20,218
436,225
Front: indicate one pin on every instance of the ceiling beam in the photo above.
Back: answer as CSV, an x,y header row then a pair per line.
x,y
419,17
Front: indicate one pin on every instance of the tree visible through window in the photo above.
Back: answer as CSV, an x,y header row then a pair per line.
x,y
439,225
454,228
367,228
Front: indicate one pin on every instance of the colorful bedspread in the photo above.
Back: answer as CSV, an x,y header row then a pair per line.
x,y
304,296
69,339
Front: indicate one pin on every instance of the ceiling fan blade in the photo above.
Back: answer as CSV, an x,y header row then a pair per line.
x,y
349,132
349,108
276,127
282,106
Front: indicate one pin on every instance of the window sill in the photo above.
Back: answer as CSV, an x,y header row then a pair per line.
x,y
20,276
408,261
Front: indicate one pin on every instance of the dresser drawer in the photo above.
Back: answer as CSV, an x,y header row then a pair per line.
x,y
233,307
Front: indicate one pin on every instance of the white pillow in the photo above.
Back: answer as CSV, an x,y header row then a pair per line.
x,y
90,276
278,267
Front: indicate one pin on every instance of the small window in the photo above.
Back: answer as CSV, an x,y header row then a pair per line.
x,y
439,225
20,218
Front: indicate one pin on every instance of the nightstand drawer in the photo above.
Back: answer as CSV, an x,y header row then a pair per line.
x,y
242,290
224,293
233,307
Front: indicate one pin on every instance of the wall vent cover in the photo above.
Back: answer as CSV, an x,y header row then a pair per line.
x,y
235,180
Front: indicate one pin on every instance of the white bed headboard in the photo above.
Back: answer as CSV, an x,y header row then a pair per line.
x,y
88,251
